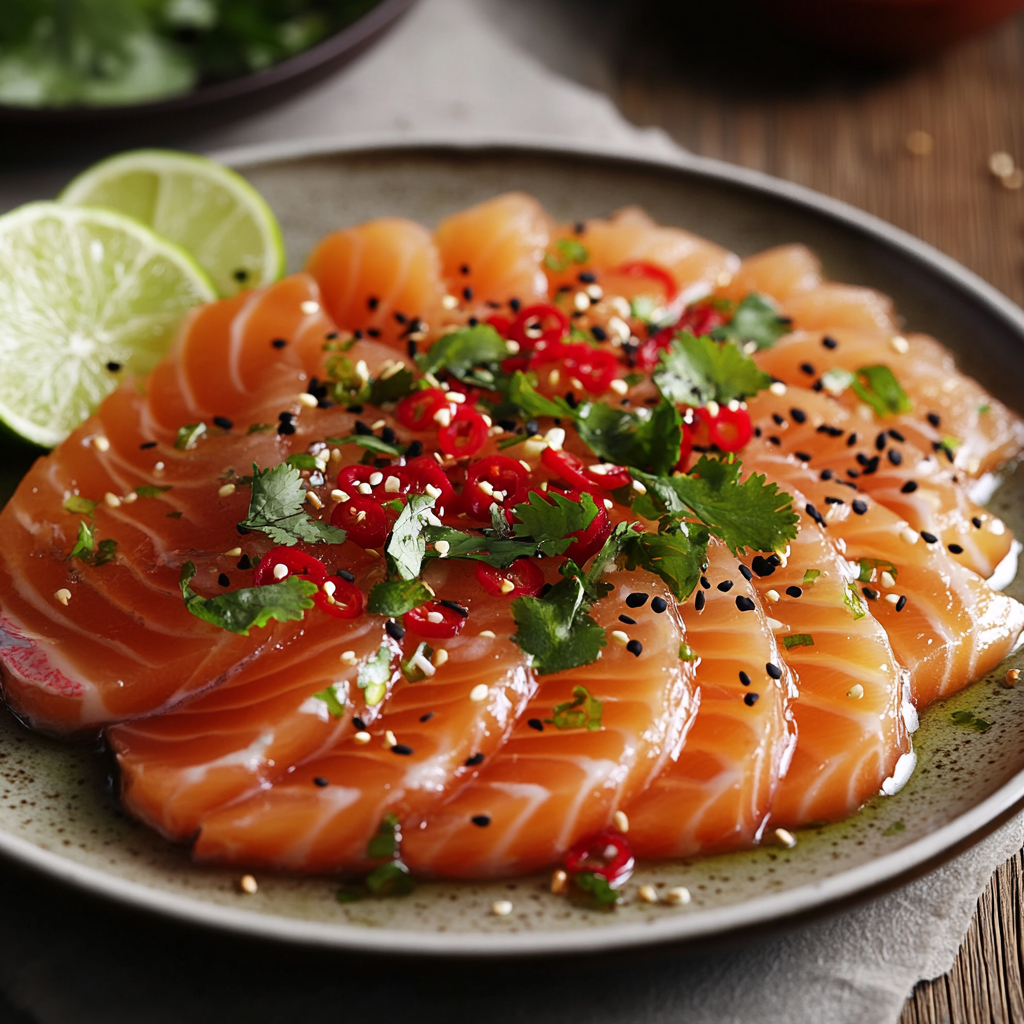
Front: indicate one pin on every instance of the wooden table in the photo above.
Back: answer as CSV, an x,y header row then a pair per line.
x,y
724,83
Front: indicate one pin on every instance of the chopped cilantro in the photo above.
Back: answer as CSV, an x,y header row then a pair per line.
x,y
894,829
151,490
753,514
971,721
79,505
810,576
597,887
88,551
374,675
550,518
302,460
240,610
651,312
275,508
462,350
385,842
854,602
391,389
520,392
686,652
754,320
582,712
390,879
951,443
189,435
330,698
396,597
349,386
370,442
693,371
868,566
984,408
836,380
877,386
556,629
259,428
798,640
648,439
495,551
567,251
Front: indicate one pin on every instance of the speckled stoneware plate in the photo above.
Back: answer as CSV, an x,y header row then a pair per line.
x,y
55,814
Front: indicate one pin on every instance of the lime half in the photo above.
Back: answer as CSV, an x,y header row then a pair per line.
x,y
212,212
86,296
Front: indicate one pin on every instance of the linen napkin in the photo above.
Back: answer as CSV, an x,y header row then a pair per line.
x,y
484,70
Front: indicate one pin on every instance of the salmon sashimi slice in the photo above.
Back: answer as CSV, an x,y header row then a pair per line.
x,y
494,252
830,307
862,455
716,794
631,237
549,787
951,629
432,738
779,273
952,413
382,277
853,711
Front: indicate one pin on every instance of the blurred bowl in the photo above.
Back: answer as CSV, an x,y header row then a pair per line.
x,y
889,29
205,107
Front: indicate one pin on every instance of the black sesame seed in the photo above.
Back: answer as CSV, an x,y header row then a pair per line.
x,y
744,679
860,507
242,530
658,605
757,431
464,269
870,593
774,440
933,419
636,600
394,629
779,420
955,548
871,466
240,275
773,670
319,780
401,748
853,474
705,582
817,386
400,317
799,415
363,429
830,342
909,487
599,333
223,422
279,343
515,305
359,723
427,717
928,538
372,302
794,591
536,723
976,522
774,560
244,562
506,425
472,762
481,820
635,648
725,586
896,435
803,456
862,459
373,332
744,604
698,601
895,457
387,435
762,566
826,474
331,335
473,321
355,409
412,348
467,293
745,572
286,417
415,450
147,444
627,620
901,603
532,426
224,580
286,428
851,440
579,227
750,699
346,575
113,367
455,607
881,441
807,368
814,514
834,501
545,590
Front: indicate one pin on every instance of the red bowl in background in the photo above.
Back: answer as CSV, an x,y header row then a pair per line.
x,y
889,29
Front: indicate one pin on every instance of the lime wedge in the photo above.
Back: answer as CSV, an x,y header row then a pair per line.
x,y
212,212
86,296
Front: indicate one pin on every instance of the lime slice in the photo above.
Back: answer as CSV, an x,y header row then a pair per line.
x,y
212,212
86,296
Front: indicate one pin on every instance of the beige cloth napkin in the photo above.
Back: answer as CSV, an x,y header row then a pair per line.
x,y
480,69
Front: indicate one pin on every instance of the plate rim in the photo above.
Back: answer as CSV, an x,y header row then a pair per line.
x,y
854,884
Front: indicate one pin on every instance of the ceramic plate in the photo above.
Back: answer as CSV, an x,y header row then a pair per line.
x,y
55,814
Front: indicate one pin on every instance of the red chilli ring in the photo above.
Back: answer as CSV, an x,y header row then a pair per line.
x,y
363,519
340,598
298,563
524,575
434,621
465,435
606,853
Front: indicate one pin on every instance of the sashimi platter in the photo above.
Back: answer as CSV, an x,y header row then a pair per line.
x,y
539,563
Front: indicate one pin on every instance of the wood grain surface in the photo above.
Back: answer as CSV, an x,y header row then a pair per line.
x,y
725,83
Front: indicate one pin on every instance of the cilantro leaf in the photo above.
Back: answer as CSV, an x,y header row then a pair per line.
x,y
556,629
693,371
370,442
240,610
374,675
189,435
550,518
412,667
582,712
810,576
460,351
753,514
406,547
754,320
275,508
88,551
301,460
385,842
396,597
79,505
391,878
877,386
648,439
567,251
520,392
597,887
330,698
390,389
867,568
494,551
151,490
677,555
798,640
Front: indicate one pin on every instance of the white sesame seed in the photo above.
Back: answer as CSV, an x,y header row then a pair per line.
x,y
111,500
678,896
418,661
619,386
349,657
1001,164
609,504
773,596
581,300
329,588
280,571
555,438
724,279
306,400
362,370
440,657
507,586
621,306
370,551
339,495
559,882
63,596
526,465
393,485
621,821
785,837
486,487
498,496
639,487
101,444
595,293
314,499
391,369
996,526
777,388
443,417
377,424
774,624
909,535
750,348
534,446
457,397
376,478
512,346
899,344
892,598
554,377
435,617
501,908
1011,678
130,498
226,490
247,884
390,739
335,455
713,408
233,553
361,737
648,893
309,307
619,328
479,692
442,547
886,579
856,691
576,383
360,516
489,633
364,488
619,637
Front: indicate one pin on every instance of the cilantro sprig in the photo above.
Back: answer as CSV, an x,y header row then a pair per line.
x,y
694,371
472,354
556,629
754,320
275,508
